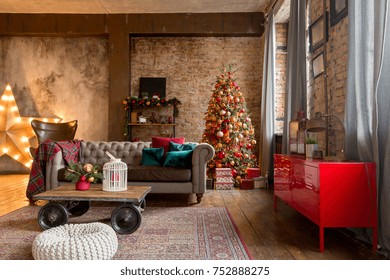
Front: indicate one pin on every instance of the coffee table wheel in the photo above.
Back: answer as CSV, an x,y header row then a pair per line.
x,y
142,204
77,208
52,214
126,218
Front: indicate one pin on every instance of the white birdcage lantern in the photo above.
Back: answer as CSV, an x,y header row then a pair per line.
x,y
115,175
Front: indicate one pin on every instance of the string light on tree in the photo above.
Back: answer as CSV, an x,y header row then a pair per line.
x,y
229,128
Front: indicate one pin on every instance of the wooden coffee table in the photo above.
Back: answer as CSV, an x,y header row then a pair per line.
x,y
65,200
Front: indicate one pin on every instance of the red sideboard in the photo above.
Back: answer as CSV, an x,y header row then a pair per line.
x,y
331,194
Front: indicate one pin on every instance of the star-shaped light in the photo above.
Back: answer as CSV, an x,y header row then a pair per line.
x,y
15,131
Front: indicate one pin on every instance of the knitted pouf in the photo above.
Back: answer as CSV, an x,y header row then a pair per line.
x,y
93,241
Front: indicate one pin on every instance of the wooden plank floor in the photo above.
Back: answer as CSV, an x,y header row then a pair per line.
x,y
269,235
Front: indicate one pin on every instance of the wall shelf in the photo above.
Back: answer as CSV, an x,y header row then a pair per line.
x,y
137,104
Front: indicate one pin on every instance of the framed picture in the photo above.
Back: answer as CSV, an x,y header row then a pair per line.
x,y
338,10
316,33
318,65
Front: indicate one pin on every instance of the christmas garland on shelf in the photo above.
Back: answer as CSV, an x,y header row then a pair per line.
x,y
138,102
135,102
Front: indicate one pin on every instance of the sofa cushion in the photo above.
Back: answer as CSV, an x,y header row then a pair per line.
x,y
163,142
181,147
178,159
158,174
152,156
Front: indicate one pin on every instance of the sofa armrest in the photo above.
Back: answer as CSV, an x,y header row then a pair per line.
x,y
52,168
203,152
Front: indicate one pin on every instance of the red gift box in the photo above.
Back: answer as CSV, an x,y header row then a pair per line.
x,y
247,184
253,173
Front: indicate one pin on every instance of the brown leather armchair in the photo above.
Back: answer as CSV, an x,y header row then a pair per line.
x,y
53,131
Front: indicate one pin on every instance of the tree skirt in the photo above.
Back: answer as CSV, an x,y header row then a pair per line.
x,y
167,233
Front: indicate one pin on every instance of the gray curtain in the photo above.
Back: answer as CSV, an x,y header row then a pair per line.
x,y
267,99
368,133
296,67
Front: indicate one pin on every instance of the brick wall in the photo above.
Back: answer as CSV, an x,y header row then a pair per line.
x,y
280,74
336,61
190,65
336,80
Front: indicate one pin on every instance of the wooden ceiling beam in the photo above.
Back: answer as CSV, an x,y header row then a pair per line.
x,y
216,24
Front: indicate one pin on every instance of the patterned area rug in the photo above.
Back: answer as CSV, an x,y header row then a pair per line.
x,y
165,233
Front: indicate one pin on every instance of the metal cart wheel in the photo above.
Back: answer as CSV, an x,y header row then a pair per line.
x,y
77,208
126,218
52,214
142,205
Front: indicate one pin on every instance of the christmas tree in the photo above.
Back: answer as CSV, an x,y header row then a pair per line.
x,y
229,128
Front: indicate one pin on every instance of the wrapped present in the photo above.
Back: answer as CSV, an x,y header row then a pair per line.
x,y
223,172
261,182
223,185
209,184
247,184
253,172
223,179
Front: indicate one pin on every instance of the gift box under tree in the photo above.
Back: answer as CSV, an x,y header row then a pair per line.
x,y
223,179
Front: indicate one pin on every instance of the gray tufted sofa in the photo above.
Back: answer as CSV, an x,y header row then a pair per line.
x,y
161,179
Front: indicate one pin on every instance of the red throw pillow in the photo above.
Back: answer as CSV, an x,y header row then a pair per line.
x,y
163,142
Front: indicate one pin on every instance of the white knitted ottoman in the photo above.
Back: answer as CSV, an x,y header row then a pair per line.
x,y
93,241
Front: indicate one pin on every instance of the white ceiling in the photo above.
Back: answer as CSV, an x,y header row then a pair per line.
x,y
131,6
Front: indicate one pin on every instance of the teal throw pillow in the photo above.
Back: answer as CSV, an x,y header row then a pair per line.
x,y
181,147
152,156
178,159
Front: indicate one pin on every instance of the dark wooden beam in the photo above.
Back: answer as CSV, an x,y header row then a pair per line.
x,y
119,75
52,24
217,24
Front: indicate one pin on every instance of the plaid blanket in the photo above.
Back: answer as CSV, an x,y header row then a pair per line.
x,y
45,152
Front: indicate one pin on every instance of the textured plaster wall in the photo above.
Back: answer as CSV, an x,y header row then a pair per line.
x,y
58,77
191,66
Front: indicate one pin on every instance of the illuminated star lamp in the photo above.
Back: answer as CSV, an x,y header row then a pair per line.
x,y
16,131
